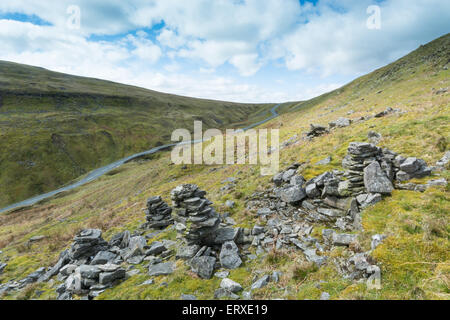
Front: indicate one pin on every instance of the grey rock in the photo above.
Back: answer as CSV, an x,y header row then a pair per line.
x,y
64,258
264,212
147,282
223,293
260,283
367,200
159,269
87,271
312,190
187,252
325,161
276,276
343,239
135,260
292,194
36,239
376,240
297,181
278,179
410,165
68,269
257,230
312,256
109,277
226,234
229,256
73,283
340,122
109,267
203,266
87,243
222,274
230,285
375,179
229,204
437,182
324,296
288,174
103,257
2,267
444,160
155,248
188,297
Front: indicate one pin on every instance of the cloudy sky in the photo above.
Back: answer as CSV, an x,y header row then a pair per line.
x,y
237,50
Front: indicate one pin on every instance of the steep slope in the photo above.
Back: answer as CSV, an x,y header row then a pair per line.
x,y
56,127
414,258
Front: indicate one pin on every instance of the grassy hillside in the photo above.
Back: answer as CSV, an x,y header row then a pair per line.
x,y
414,259
56,127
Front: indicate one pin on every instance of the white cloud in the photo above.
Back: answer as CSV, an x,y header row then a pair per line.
x,y
246,63
201,38
170,39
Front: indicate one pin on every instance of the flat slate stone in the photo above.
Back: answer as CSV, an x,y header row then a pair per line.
x,y
159,269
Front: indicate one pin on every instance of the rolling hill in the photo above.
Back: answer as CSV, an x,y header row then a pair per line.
x,y
404,105
56,127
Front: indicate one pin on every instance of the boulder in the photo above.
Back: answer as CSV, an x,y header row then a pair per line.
x,y
343,239
106,278
187,252
292,194
103,257
163,268
203,266
375,179
230,285
229,256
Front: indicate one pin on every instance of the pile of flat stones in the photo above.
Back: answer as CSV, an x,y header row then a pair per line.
x,y
196,220
359,156
158,214
336,197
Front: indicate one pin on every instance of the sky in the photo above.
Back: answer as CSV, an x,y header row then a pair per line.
x,y
234,50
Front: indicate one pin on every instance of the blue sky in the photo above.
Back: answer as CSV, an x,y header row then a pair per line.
x,y
238,50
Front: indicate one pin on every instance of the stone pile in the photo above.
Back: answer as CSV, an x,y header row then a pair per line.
x,y
86,244
158,214
196,220
359,156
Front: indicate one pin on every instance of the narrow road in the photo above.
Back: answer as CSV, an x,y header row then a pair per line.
x,y
103,170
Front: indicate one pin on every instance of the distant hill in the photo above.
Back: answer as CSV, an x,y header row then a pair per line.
x,y
56,127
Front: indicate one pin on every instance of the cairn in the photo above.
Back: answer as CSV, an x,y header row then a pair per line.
x,y
196,221
158,214
359,156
